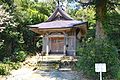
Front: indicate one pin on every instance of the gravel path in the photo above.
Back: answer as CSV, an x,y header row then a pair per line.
x,y
29,74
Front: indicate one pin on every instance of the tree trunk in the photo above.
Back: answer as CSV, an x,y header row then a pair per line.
x,y
100,14
99,30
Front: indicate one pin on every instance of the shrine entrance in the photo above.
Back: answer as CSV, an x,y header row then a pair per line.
x,y
57,45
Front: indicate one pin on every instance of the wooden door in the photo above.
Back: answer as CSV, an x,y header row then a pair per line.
x,y
57,44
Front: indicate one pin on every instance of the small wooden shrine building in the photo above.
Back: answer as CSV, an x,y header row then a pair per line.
x,y
60,33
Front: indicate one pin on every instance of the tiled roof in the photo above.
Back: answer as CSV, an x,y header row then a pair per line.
x,y
59,19
58,24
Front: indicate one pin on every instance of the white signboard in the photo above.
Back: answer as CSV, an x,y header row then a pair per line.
x,y
100,67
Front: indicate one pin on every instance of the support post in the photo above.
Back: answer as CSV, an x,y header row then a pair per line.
x,y
47,47
100,75
64,43
75,43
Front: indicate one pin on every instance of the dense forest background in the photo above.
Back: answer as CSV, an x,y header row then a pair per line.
x,y
101,44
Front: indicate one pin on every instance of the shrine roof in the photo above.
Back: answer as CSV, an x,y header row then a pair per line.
x,y
58,24
59,19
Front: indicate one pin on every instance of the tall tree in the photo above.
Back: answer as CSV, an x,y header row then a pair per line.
x,y
101,8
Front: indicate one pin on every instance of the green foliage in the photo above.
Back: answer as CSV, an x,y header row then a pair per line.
x,y
112,28
5,68
118,75
28,12
98,51
10,37
17,35
7,65
87,14
12,65
39,42
19,56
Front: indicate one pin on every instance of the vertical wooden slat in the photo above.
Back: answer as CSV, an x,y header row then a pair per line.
x,y
44,44
74,43
47,46
65,45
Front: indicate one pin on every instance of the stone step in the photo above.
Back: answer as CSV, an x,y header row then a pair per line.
x,y
48,66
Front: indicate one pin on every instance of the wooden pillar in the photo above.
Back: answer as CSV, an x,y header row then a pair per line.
x,y
64,43
64,46
43,47
50,44
47,47
74,42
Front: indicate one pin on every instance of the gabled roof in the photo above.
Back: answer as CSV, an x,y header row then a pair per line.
x,y
59,20
59,14
58,24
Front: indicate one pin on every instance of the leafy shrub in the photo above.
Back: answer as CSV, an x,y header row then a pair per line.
x,y
5,68
20,56
98,51
14,65
118,75
112,27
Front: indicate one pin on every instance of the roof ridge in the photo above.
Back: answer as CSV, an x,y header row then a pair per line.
x,y
62,16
